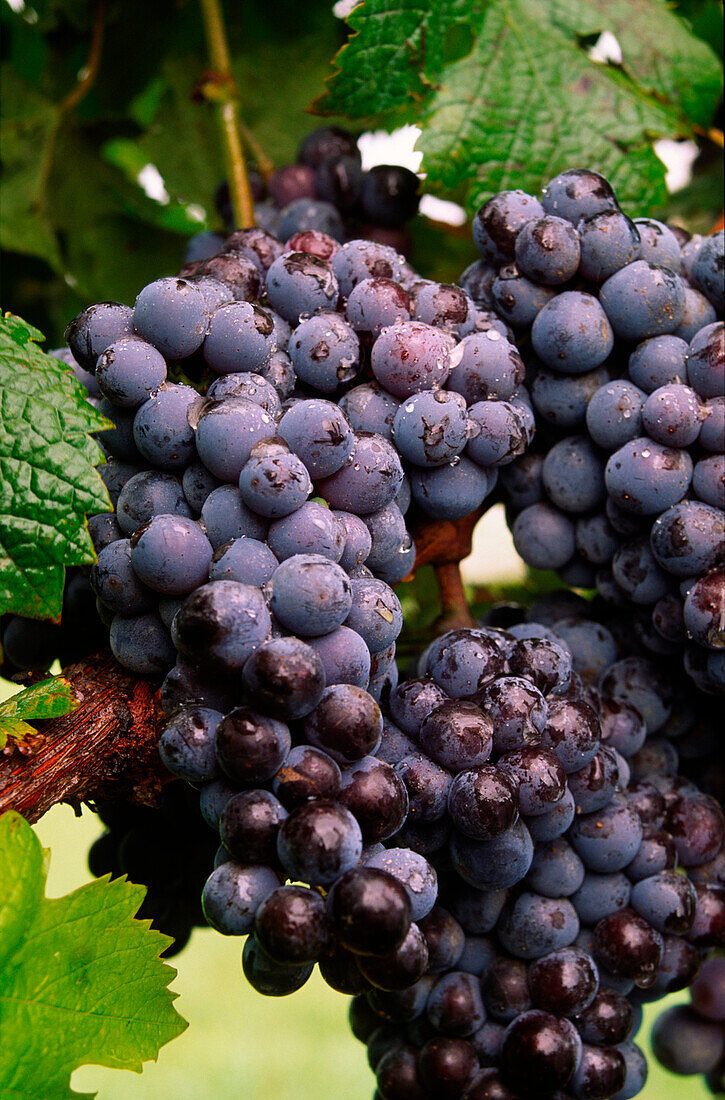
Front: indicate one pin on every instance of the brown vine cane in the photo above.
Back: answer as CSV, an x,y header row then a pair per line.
x,y
105,749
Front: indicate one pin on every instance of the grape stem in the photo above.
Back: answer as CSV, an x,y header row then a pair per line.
x,y
226,99
456,613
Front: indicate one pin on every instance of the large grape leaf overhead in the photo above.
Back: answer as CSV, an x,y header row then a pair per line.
x,y
47,478
81,981
507,94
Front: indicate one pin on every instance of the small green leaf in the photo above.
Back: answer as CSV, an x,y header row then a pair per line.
x,y
50,698
81,981
47,478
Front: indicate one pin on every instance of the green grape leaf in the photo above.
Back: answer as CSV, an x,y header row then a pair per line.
x,y
47,478
50,698
81,980
526,100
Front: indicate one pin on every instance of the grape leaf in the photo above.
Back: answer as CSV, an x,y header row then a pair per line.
x,y
527,100
50,698
47,478
81,981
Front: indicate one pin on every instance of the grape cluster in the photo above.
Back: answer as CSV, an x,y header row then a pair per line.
x,y
326,189
333,386
492,867
618,324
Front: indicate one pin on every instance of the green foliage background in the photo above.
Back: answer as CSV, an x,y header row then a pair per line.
x,y
76,226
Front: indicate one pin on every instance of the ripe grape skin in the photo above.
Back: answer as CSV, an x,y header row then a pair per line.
x,y
388,534
375,304
659,361
505,989
412,701
370,408
171,314
116,583
226,517
687,538
146,495
572,333
221,624
304,214
486,366
522,480
310,594
563,399
274,485
251,747
430,428
188,744
542,1047
197,483
706,361
483,802
161,428
410,357
501,433
539,777
556,870
232,895
319,433
270,978
637,572
171,554
297,283
712,430
578,193
238,272
646,478
608,240
346,724
129,370
497,223
609,839
345,657
708,481
325,351
707,270
667,900
369,479
543,536
358,260
499,862
516,298
376,796
444,306
285,677
547,250
704,610
415,873
358,541
95,328
318,842
658,244
451,491
291,925
477,280
699,313
601,895
244,559
614,414
375,613
573,475
455,1006
141,644
239,338
249,824
671,415
643,300
445,940
226,433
